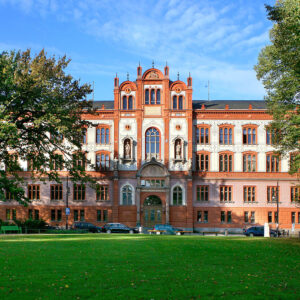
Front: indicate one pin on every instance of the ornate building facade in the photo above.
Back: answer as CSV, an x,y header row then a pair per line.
x,y
161,157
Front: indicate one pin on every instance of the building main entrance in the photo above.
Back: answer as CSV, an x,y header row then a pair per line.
x,y
152,211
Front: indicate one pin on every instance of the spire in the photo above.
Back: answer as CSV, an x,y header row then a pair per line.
x,y
178,76
152,63
127,76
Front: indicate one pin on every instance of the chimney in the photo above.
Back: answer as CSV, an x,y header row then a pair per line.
x,y
103,106
250,106
167,71
189,81
203,106
226,106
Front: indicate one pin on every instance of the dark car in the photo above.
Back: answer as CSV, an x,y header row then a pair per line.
x,y
259,231
118,228
87,226
164,228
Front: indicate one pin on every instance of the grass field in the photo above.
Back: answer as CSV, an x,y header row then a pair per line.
x,y
113,266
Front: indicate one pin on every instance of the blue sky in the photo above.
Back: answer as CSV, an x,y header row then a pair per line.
x,y
215,40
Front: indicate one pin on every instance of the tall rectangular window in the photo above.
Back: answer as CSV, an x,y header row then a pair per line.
x,y
225,135
205,216
75,215
82,215
34,191
30,214
229,217
273,163
53,214
102,135
249,193
270,219
295,194
272,193
36,214
249,136
249,162
202,162
105,215
99,216
222,216
202,135
57,162
56,192
252,217
202,192
8,215
102,193
246,217
79,192
102,161
59,214
293,217
14,214
225,193
199,216
225,162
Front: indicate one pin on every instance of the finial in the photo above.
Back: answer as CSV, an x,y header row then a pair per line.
x,y
152,63
139,63
127,76
178,76
117,75
166,63
189,74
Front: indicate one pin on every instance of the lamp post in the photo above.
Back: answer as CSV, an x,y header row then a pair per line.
x,y
275,198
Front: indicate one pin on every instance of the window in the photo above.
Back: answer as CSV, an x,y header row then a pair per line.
x,y
102,193
293,217
298,217
155,96
57,162
75,215
295,194
202,161
36,214
102,161
79,161
222,216
272,193
202,216
102,215
30,215
202,192
34,191
153,183
32,164
177,195
249,193
246,217
127,195
82,215
11,214
177,102
84,136
249,162
53,215
270,219
273,163
202,135
127,102
78,192
249,135
152,143
252,217
102,135
9,196
12,164
225,193
56,192
226,135
225,162
229,217
272,136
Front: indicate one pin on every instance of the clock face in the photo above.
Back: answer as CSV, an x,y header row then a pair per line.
x,y
127,90
178,90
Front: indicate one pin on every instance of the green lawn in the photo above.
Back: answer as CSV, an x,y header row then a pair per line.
x,y
101,266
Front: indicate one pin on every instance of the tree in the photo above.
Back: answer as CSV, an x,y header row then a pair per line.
x,y
279,69
40,120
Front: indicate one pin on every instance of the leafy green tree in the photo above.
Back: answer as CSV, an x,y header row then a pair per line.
x,y
279,69
40,114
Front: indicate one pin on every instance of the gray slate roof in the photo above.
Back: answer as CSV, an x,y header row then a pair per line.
x,y
213,104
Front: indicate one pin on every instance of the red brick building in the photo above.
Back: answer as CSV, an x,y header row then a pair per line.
x,y
162,157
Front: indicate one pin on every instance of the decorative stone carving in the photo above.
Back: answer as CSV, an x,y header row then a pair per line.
x,y
127,150
152,75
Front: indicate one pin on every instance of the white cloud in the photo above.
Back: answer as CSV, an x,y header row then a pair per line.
x,y
190,35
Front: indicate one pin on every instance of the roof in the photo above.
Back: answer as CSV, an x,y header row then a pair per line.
x,y
213,104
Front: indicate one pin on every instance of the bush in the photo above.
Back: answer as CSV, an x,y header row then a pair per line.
x,y
32,224
4,223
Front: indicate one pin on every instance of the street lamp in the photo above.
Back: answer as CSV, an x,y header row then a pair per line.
x,y
275,198
67,203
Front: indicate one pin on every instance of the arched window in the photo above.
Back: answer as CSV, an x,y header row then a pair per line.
x,y
152,96
152,143
146,96
124,102
127,195
130,104
177,196
158,96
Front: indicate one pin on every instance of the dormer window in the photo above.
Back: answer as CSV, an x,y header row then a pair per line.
x,y
152,96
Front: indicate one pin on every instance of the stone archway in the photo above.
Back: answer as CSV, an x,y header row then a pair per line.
x,y
152,211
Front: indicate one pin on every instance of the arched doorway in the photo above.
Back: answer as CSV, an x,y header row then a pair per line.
x,y
152,211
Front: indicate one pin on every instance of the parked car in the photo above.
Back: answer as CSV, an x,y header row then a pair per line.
x,y
87,226
169,229
259,231
118,228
